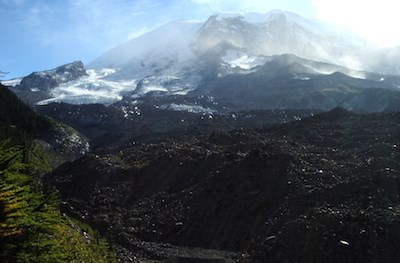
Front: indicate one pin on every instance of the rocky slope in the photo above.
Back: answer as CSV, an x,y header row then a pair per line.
x,y
231,82
153,118
40,85
325,188
290,82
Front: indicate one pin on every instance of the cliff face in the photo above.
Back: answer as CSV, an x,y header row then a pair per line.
x,y
47,80
39,85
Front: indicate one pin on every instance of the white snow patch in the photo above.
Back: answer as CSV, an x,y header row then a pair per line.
x,y
236,59
357,74
252,18
332,69
227,15
177,85
154,88
344,242
186,107
298,77
131,111
322,70
91,89
12,82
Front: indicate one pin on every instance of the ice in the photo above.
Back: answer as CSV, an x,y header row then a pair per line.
x,y
91,89
236,59
298,77
186,107
11,82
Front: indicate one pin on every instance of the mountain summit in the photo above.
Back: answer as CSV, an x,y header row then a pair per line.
x,y
190,57
280,32
162,48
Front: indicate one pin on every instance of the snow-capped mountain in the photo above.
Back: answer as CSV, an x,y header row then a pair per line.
x,y
161,60
49,79
182,55
280,32
191,57
164,49
288,81
43,85
178,46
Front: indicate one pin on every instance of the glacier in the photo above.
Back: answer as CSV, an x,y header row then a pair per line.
x,y
182,56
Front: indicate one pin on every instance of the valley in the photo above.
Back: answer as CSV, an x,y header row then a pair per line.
x,y
241,138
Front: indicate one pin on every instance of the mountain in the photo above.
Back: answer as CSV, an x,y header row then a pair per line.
x,y
279,32
42,85
232,56
287,81
32,227
164,49
208,145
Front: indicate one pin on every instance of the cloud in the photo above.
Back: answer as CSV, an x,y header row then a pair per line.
x,y
105,23
375,20
138,32
44,30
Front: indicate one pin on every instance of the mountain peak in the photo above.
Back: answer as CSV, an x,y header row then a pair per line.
x,y
281,12
183,55
255,18
173,38
49,79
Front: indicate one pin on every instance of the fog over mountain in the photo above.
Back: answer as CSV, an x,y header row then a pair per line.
x,y
277,32
246,138
186,56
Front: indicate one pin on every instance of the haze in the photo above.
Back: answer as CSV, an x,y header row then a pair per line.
x,y
40,34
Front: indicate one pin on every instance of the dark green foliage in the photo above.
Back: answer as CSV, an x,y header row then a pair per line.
x,y
31,226
18,120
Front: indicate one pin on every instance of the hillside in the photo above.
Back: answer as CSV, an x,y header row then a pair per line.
x,y
32,228
323,188
16,116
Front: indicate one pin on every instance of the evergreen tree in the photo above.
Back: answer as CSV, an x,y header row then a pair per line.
x,y
32,228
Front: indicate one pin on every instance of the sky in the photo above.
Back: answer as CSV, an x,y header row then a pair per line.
x,y
43,34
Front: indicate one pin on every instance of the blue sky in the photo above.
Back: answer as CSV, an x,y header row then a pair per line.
x,y
43,34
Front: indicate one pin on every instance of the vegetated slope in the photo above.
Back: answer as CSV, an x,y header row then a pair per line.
x,y
321,189
15,114
32,228
22,125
